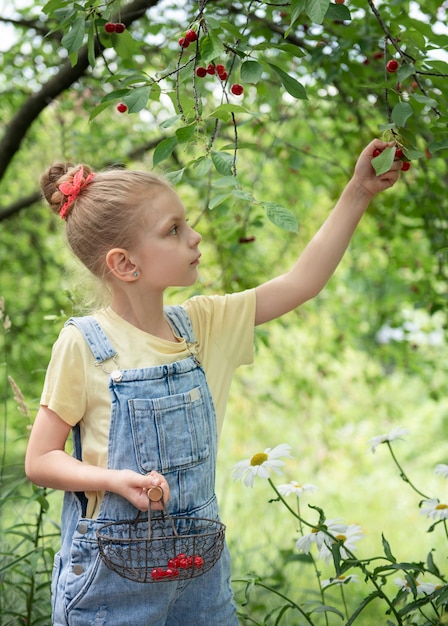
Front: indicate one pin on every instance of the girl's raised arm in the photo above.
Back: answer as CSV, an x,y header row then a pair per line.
x,y
323,253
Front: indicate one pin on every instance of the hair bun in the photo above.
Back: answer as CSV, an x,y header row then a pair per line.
x,y
56,175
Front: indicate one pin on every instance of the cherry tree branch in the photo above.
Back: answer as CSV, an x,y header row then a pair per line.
x,y
17,128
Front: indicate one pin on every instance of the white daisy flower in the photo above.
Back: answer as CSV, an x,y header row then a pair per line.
x,y
348,538
340,580
303,544
442,470
261,464
295,488
395,433
316,536
423,589
434,509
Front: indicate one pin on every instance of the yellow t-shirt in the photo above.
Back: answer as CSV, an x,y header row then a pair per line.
x,y
77,389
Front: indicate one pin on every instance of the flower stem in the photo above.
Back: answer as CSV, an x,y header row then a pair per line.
x,y
344,602
297,516
402,472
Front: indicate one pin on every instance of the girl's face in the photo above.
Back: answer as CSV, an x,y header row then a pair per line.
x,y
166,253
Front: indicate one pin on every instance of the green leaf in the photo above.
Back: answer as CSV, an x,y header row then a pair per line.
x,y
185,133
291,85
418,97
137,98
223,162
387,550
438,145
218,199
243,195
224,182
119,94
91,44
281,217
383,162
384,127
175,177
361,607
164,150
432,567
404,71
74,38
297,7
224,111
338,12
171,121
99,109
202,166
251,72
324,608
156,91
316,10
125,45
210,47
401,113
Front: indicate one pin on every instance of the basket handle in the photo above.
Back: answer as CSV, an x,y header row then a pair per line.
x,y
155,494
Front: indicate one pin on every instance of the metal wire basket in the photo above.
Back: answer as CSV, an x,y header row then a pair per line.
x,y
161,548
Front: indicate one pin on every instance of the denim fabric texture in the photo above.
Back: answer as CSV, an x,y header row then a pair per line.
x,y
163,419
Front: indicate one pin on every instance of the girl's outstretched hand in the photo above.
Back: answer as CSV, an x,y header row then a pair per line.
x,y
365,175
134,487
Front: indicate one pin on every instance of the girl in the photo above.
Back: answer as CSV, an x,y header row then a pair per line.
x,y
143,386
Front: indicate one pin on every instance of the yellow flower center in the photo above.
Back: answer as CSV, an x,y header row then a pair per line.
x,y
340,537
441,506
259,458
341,577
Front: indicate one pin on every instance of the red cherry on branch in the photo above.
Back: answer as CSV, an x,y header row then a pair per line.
x,y
183,43
201,72
392,66
237,89
406,166
110,27
191,35
120,27
122,107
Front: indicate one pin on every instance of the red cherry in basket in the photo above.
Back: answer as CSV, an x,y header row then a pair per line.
x,y
157,573
198,561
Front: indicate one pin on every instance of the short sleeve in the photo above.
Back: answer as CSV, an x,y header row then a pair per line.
x,y
65,388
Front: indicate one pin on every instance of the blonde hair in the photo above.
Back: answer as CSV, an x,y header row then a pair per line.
x,y
106,212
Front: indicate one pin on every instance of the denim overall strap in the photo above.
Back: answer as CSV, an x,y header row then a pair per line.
x,y
102,351
98,343
181,322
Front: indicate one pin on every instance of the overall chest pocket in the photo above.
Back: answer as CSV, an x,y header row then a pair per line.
x,y
170,433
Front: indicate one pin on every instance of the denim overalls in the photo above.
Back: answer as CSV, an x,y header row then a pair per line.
x,y
163,419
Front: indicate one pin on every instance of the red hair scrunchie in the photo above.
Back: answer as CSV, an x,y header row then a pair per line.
x,y
73,189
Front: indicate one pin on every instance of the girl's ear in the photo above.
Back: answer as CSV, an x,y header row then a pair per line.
x,y
120,265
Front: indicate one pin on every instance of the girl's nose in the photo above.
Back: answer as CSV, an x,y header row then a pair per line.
x,y
196,238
